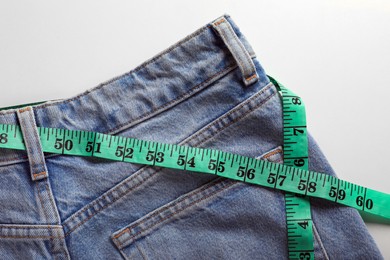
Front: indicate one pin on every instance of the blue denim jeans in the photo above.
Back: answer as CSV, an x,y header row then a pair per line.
x,y
207,90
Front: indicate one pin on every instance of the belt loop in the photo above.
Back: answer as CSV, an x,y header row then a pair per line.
x,y
33,143
240,54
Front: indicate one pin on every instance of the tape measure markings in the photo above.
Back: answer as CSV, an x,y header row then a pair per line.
x,y
233,166
300,236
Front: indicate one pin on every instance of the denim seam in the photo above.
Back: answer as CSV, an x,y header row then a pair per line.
x,y
57,219
214,191
141,253
52,202
34,237
317,235
154,112
212,187
41,202
180,199
277,151
148,167
186,95
104,197
23,226
239,106
45,213
234,121
138,173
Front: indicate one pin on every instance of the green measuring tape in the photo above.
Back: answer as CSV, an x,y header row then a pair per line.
x,y
292,176
295,153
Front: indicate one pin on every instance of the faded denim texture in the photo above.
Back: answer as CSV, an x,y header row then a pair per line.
x,y
203,92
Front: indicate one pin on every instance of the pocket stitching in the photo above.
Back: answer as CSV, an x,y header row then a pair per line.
x,y
213,187
142,175
213,192
237,108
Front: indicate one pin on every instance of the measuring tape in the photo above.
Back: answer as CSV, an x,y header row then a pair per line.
x,y
295,153
292,176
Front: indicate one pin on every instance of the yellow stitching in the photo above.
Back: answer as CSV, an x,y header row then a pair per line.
x,y
251,77
219,22
272,153
24,109
40,173
122,232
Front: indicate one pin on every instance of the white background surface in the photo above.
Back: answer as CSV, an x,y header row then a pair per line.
x,y
335,54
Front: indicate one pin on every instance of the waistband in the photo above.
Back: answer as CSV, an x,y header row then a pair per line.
x,y
159,83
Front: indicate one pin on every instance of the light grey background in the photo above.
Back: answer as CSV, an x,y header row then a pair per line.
x,y
335,54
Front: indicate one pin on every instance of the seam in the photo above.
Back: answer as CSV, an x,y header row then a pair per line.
x,y
141,170
51,199
38,174
251,77
272,153
317,235
47,218
53,252
222,20
203,188
14,159
157,110
141,252
210,185
24,109
182,96
40,199
132,237
238,118
235,109
44,227
108,204
33,237
206,139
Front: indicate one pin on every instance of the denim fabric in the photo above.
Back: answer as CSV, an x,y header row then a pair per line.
x,y
203,91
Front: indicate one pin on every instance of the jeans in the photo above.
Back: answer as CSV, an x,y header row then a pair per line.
x,y
207,90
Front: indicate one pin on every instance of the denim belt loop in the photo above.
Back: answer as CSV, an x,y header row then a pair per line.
x,y
33,143
240,54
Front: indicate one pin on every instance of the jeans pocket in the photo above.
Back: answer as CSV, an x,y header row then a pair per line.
x,y
223,219
25,241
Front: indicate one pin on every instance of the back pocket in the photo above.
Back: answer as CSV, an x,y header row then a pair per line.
x,y
223,219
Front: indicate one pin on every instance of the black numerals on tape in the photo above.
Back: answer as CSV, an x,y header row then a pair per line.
x,y
212,165
305,186
120,151
153,156
182,160
3,138
368,204
60,144
333,193
249,173
276,179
